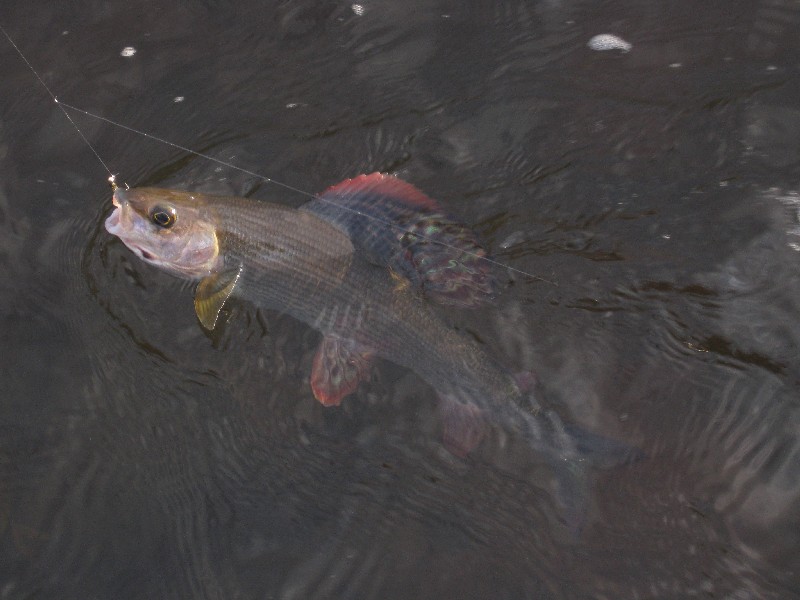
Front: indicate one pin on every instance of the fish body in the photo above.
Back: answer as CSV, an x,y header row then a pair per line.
x,y
362,264
307,265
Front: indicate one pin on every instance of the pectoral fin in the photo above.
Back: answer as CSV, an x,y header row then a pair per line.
x,y
339,366
211,294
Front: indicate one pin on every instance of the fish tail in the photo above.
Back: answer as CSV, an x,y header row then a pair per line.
x,y
572,453
572,492
569,469
601,451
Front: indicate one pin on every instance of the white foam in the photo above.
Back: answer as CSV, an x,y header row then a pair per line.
x,y
607,41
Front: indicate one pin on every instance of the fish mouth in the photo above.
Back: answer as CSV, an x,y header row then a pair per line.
x,y
115,228
112,222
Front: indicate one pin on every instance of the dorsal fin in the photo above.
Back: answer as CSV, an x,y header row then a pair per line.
x,y
381,186
397,226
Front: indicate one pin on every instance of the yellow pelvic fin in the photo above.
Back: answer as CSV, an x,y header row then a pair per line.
x,y
211,294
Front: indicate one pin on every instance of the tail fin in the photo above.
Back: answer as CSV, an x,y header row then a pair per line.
x,y
600,451
572,453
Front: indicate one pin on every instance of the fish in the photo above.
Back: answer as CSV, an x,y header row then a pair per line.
x,y
365,263
338,272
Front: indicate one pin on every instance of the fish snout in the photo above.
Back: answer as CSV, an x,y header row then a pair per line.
x,y
113,225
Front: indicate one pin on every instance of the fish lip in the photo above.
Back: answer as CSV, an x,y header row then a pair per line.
x,y
112,223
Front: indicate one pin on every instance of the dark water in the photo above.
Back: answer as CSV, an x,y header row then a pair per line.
x,y
656,189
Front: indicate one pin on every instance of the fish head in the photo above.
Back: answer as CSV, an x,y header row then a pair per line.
x,y
175,231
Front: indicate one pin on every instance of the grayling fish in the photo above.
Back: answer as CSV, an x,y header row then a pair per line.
x,y
361,264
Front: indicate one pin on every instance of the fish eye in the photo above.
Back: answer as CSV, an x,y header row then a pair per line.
x,y
163,216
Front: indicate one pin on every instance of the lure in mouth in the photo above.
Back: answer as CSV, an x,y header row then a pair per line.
x,y
113,222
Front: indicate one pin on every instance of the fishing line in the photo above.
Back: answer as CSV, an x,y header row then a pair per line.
x,y
63,106
300,191
111,177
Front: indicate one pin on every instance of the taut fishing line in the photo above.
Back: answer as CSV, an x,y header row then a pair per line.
x,y
53,96
112,178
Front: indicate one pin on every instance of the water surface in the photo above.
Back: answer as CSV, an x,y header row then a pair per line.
x,y
655,190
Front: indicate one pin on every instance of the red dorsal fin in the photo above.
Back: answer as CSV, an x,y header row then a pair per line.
x,y
399,226
383,185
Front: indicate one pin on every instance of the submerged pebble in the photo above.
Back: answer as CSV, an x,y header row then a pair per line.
x,y
607,41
